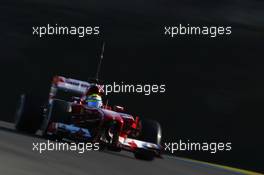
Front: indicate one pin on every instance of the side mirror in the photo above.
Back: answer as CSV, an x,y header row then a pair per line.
x,y
118,108
76,99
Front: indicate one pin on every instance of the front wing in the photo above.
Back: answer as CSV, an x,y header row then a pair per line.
x,y
133,145
77,133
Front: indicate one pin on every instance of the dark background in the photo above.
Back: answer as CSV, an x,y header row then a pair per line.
x,y
214,86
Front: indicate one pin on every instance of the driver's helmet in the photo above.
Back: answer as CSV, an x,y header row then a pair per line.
x,y
94,100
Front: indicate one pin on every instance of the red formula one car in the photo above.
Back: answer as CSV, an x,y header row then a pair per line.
x,y
66,116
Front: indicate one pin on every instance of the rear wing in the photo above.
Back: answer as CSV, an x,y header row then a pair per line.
x,y
71,84
70,87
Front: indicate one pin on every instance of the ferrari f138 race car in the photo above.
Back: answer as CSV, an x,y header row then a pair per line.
x,y
65,116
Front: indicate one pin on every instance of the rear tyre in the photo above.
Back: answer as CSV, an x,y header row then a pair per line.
x,y
28,116
150,132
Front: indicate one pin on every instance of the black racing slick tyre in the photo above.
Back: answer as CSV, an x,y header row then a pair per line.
x,y
28,116
58,111
150,132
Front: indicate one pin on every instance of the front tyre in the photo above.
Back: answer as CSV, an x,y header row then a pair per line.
x,y
58,112
150,132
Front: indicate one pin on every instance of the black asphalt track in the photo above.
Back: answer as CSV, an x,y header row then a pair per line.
x,y
18,157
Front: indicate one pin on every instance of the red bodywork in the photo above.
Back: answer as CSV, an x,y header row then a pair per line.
x,y
126,124
126,128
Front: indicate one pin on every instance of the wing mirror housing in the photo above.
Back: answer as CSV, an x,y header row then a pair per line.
x,y
118,108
